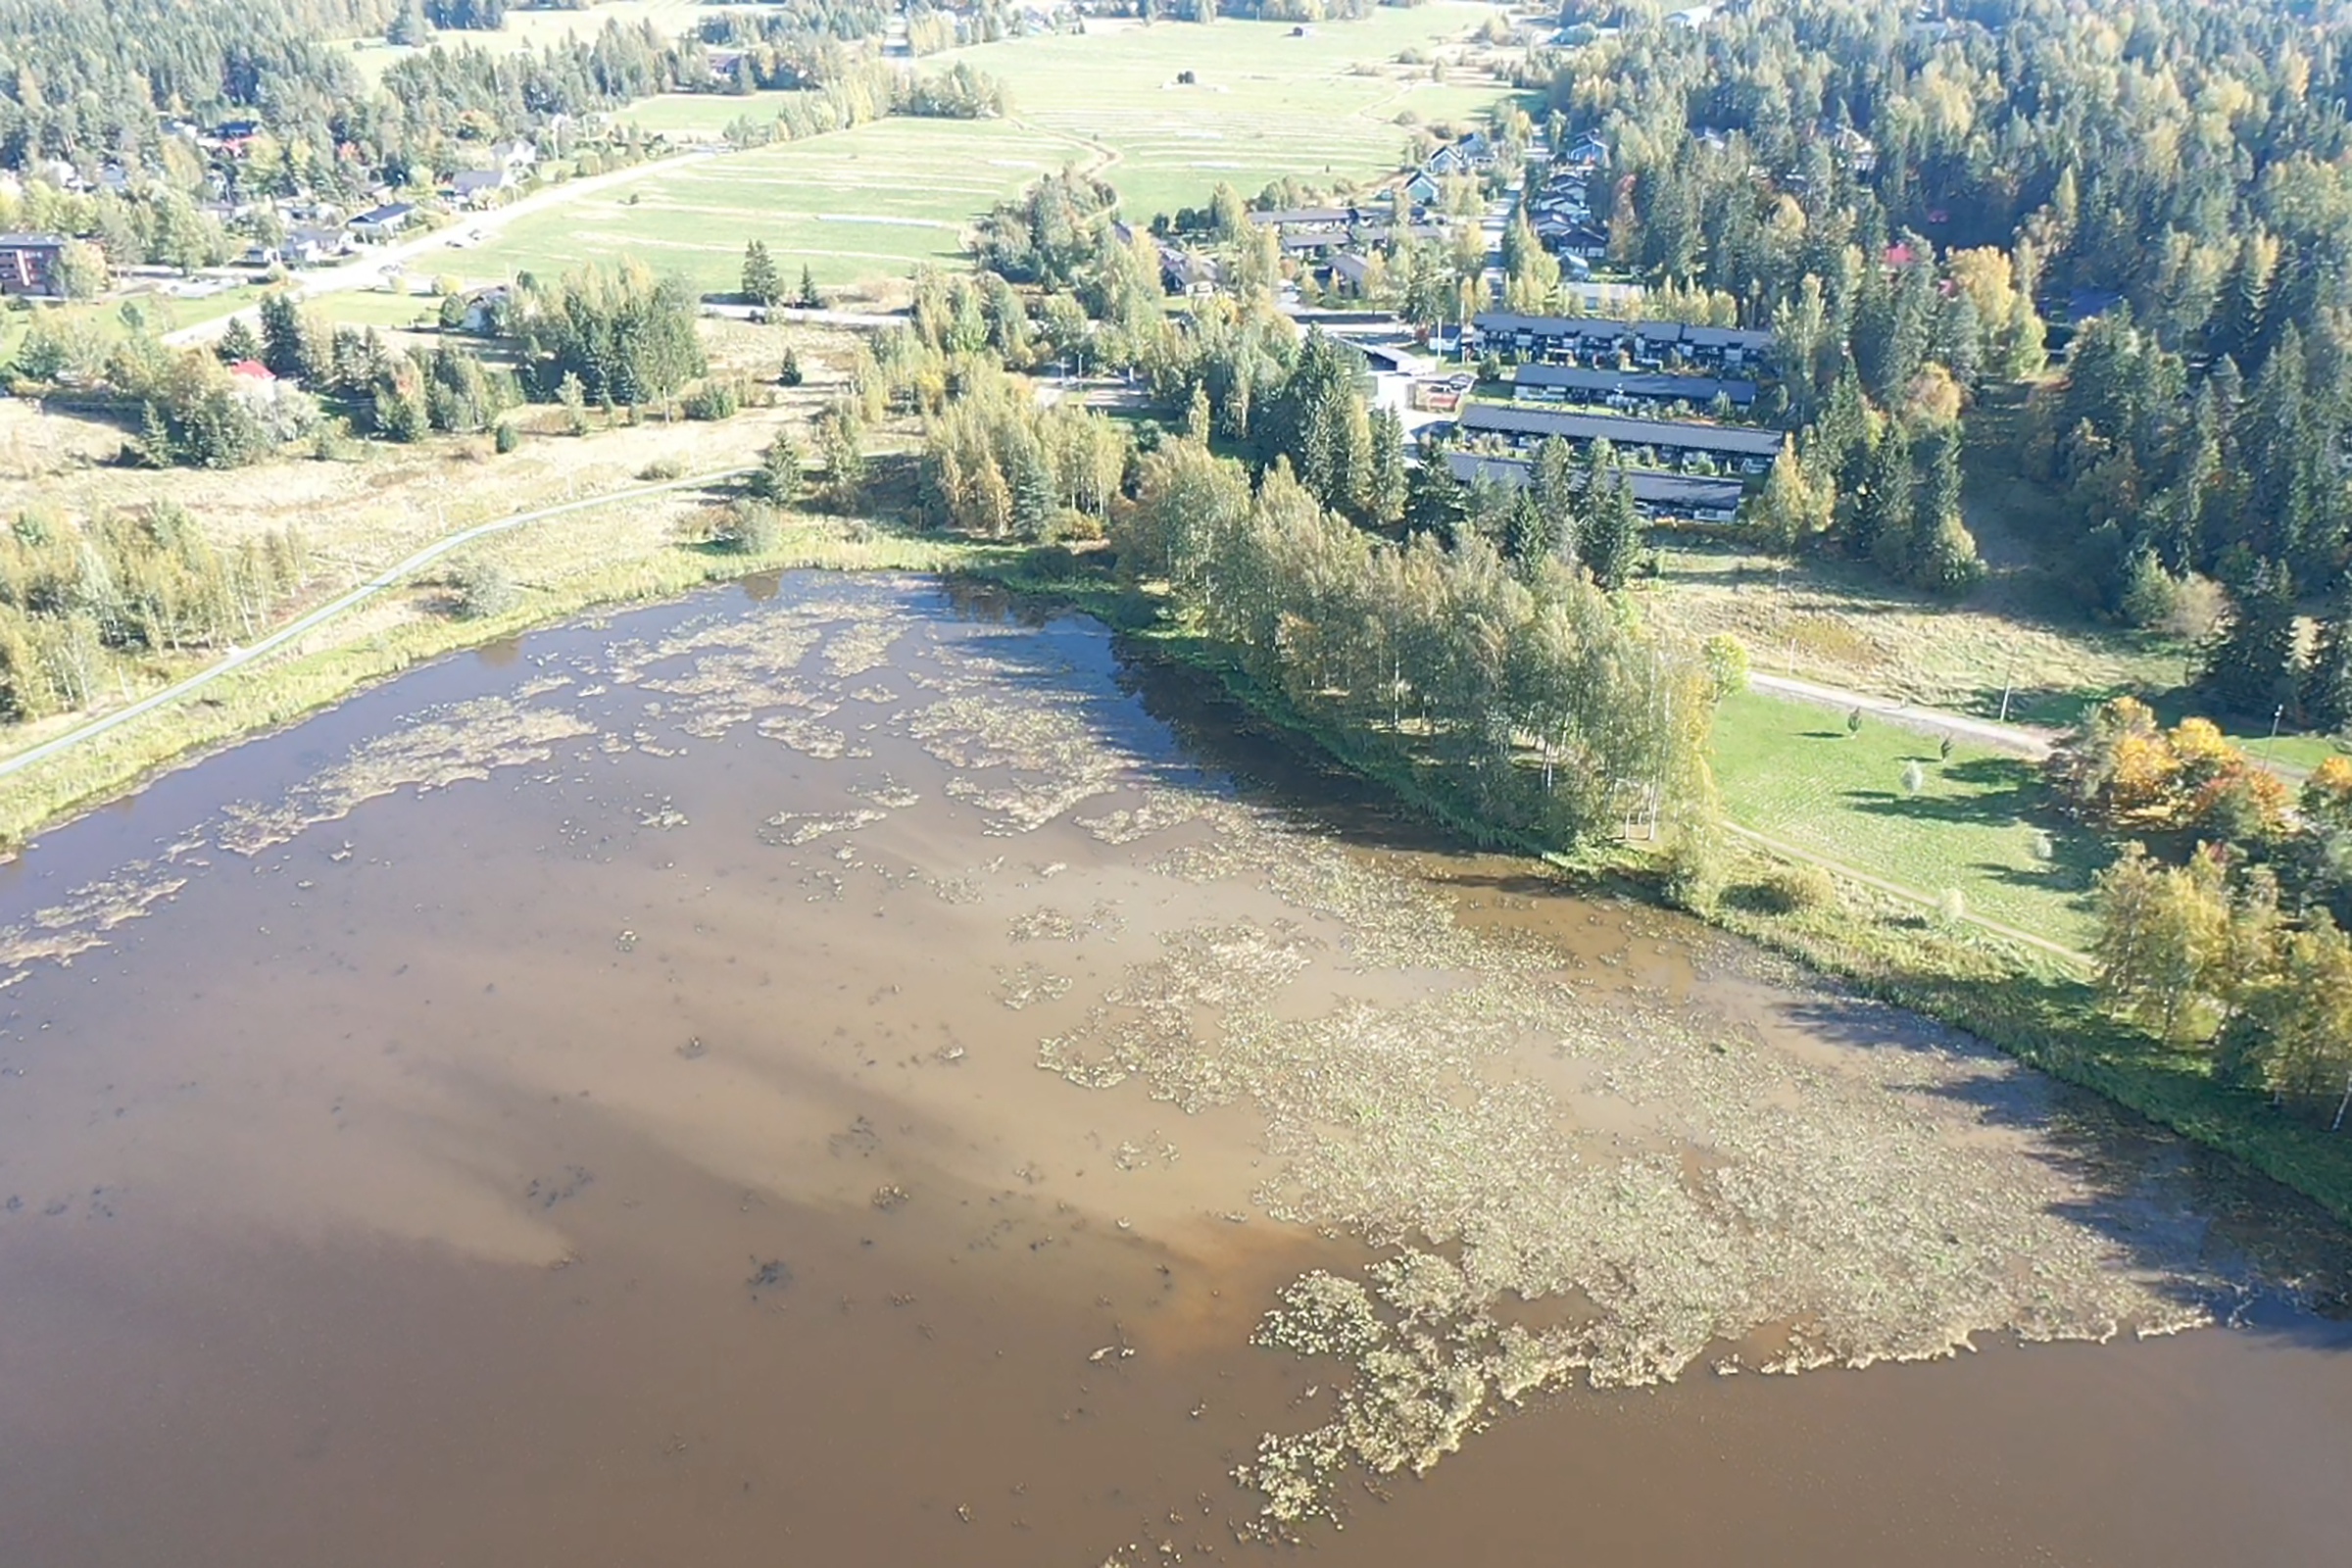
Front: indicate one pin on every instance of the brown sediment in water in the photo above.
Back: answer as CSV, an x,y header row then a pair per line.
x,y
574,1124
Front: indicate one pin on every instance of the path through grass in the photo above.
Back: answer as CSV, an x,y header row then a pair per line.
x,y
1792,771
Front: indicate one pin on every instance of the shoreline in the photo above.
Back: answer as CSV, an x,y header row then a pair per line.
x,y
2023,1003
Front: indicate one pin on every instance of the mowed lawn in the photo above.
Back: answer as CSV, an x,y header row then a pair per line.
x,y
872,201
1790,770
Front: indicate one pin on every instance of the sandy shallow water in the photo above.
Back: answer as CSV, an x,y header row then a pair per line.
x,y
841,1072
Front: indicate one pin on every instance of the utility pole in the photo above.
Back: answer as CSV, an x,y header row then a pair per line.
x,y
2277,713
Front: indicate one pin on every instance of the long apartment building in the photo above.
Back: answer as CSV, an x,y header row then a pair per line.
x,y
1586,337
1745,447
1625,389
1656,493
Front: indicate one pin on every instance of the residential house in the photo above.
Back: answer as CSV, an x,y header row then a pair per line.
x,y
1350,272
517,157
479,187
28,263
1673,441
1656,492
1185,272
1447,161
484,307
380,223
1582,156
1650,345
308,246
1854,150
1625,389
1726,347
1569,237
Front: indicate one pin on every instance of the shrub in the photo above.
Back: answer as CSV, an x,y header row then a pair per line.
x,y
1795,888
748,529
714,400
482,589
505,437
1727,664
662,468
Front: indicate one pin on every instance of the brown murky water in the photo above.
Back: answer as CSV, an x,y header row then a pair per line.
x,y
583,1104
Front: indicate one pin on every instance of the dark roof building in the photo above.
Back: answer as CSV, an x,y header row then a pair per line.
x,y
28,263
1671,439
1566,381
1546,335
1656,493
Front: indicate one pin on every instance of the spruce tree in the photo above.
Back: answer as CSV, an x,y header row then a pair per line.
x,y
1436,503
2327,685
1883,524
1385,484
1032,494
1611,539
2252,667
779,476
762,286
810,299
1552,484
239,342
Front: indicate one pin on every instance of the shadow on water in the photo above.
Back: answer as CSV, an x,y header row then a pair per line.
x,y
2262,1250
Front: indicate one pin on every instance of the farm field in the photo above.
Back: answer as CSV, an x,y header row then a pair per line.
x,y
1323,108
871,202
1792,772
880,199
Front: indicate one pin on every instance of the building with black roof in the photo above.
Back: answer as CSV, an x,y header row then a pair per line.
x,y
1672,440
1656,493
1621,388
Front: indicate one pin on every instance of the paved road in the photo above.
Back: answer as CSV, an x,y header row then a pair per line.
x,y
366,270
2024,740
819,317
388,577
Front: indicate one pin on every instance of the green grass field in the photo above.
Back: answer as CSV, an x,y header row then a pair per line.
x,y
865,203
1322,108
876,201
1791,771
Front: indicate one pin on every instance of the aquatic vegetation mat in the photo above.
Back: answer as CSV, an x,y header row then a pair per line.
x,y
1508,1117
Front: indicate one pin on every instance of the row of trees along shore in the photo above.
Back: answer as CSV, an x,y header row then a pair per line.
x,y
1495,672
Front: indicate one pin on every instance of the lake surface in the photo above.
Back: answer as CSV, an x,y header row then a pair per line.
x,y
838,1071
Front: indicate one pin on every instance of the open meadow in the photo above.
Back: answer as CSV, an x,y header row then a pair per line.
x,y
1792,772
1263,104
871,202
878,200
